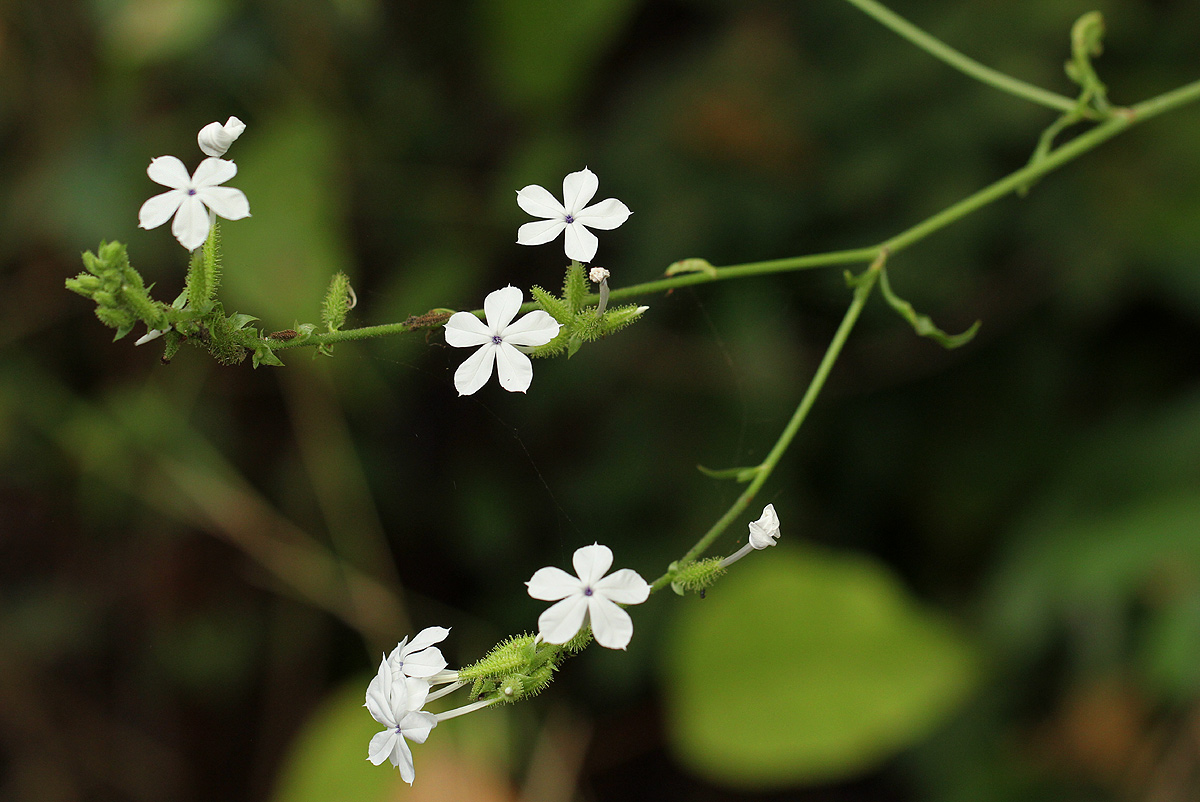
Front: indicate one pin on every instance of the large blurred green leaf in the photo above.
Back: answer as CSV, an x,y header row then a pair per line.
x,y
328,759
805,666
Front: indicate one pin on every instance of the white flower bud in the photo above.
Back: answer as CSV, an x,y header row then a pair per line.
x,y
598,274
214,139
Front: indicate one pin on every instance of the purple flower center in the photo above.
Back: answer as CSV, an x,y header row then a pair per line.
x,y
191,192
587,591
570,219
497,339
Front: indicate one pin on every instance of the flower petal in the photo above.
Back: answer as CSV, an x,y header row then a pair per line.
x,y
539,232
158,210
560,622
427,637
611,625
591,563
170,172
382,745
514,369
535,328
414,696
605,215
625,586
417,724
501,306
578,189
191,223
212,172
424,663
402,759
538,202
764,531
581,244
227,202
464,330
476,370
552,584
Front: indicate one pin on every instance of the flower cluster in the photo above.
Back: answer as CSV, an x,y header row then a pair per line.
x,y
501,342
195,200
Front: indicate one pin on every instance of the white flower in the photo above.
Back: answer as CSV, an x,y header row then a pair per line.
x,y
588,598
188,197
764,531
598,274
497,340
150,336
396,704
214,139
570,215
419,658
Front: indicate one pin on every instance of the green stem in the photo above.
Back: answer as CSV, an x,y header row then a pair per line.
x,y
963,63
862,292
1118,123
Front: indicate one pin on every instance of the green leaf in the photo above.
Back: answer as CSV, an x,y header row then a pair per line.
x,y
922,324
263,355
808,666
738,474
327,760
691,266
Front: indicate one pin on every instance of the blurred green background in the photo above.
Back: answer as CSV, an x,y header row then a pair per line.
x,y
988,585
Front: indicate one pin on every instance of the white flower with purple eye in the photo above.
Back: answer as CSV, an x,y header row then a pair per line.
x,y
497,340
571,216
419,658
214,139
395,702
588,597
192,198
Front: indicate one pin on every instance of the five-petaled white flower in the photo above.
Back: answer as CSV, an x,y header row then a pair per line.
x,y
588,597
214,139
497,340
188,197
764,531
419,658
570,216
395,702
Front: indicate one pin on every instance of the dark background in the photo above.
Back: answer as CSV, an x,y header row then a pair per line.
x,y
199,565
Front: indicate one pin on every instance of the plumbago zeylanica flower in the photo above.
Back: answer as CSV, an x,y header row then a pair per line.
x,y
497,340
396,702
571,216
588,597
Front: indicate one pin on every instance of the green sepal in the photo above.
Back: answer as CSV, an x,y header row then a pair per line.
x,y
922,324
573,345
551,305
337,302
695,577
204,273
575,287
738,474
694,265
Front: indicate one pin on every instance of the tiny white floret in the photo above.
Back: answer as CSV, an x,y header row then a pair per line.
x,y
150,336
598,274
588,597
570,216
214,139
191,198
765,530
497,340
